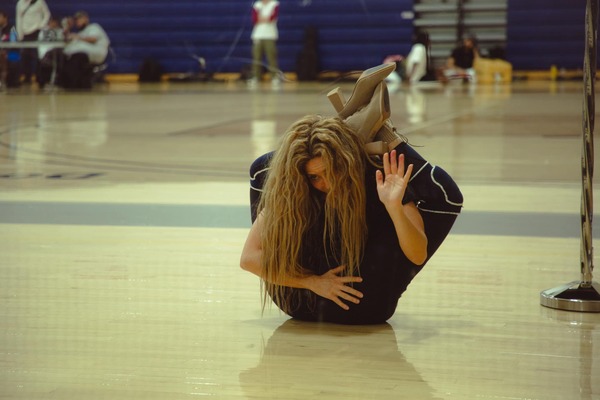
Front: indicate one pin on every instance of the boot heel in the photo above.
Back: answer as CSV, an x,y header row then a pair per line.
x,y
368,120
365,85
336,98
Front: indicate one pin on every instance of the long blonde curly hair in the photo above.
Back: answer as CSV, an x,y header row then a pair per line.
x,y
290,206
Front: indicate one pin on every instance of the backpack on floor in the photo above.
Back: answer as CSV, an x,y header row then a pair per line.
x,y
150,71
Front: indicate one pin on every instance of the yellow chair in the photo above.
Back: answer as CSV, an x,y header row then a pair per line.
x,y
493,70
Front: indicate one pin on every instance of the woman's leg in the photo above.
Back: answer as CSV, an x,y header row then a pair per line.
x,y
257,52
438,197
258,176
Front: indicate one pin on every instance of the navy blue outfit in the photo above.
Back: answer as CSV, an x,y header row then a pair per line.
x,y
385,270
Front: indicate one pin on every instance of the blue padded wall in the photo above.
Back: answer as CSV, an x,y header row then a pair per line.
x,y
541,33
353,34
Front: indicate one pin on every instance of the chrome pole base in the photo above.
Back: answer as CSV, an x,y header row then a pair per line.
x,y
573,297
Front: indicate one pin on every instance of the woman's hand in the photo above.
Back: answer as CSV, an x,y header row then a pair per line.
x,y
407,219
334,287
392,186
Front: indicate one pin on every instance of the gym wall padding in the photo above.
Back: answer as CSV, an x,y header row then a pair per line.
x,y
542,33
353,34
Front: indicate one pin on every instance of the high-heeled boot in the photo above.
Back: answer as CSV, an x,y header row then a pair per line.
x,y
363,90
387,138
368,120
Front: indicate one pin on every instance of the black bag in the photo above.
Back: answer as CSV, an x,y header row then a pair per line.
x,y
13,74
307,62
150,71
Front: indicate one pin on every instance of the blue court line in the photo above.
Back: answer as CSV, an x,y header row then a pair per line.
x,y
228,216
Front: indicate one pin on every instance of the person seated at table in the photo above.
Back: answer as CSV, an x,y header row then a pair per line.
x,y
68,25
4,37
9,58
85,49
50,58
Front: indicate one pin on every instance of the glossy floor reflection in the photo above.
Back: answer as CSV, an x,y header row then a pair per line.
x,y
123,213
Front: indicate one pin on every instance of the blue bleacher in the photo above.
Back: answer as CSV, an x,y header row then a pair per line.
x,y
353,34
542,33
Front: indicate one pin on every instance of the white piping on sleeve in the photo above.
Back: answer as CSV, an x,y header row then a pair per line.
x,y
420,169
438,212
443,190
253,177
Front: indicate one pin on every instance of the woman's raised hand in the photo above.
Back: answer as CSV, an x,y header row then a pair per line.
x,y
392,185
334,287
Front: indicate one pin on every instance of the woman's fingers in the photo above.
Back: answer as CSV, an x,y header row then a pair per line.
x,y
347,294
386,164
340,303
347,297
400,163
337,270
340,290
379,177
351,279
393,164
408,172
352,292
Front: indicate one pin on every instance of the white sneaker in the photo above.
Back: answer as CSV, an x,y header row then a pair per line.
x,y
275,83
252,83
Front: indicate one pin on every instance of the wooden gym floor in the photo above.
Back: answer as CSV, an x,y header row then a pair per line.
x,y
123,213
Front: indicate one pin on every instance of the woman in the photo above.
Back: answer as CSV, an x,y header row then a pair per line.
x,y
334,238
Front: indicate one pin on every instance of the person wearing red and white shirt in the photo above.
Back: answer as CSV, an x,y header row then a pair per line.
x,y
264,39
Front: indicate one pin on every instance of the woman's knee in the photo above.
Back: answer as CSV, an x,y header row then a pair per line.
x,y
258,174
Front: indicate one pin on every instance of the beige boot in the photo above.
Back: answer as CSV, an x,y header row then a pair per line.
x,y
368,120
369,116
363,90
388,137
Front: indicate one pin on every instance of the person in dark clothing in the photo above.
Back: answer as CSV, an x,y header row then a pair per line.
x,y
461,62
4,37
338,234
86,48
9,58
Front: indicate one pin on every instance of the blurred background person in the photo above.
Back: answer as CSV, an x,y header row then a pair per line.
x,y
85,49
31,17
50,58
415,66
460,64
68,24
10,70
264,40
417,61
4,37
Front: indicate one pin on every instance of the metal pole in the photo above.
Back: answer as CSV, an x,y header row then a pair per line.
x,y
584,295
587,157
